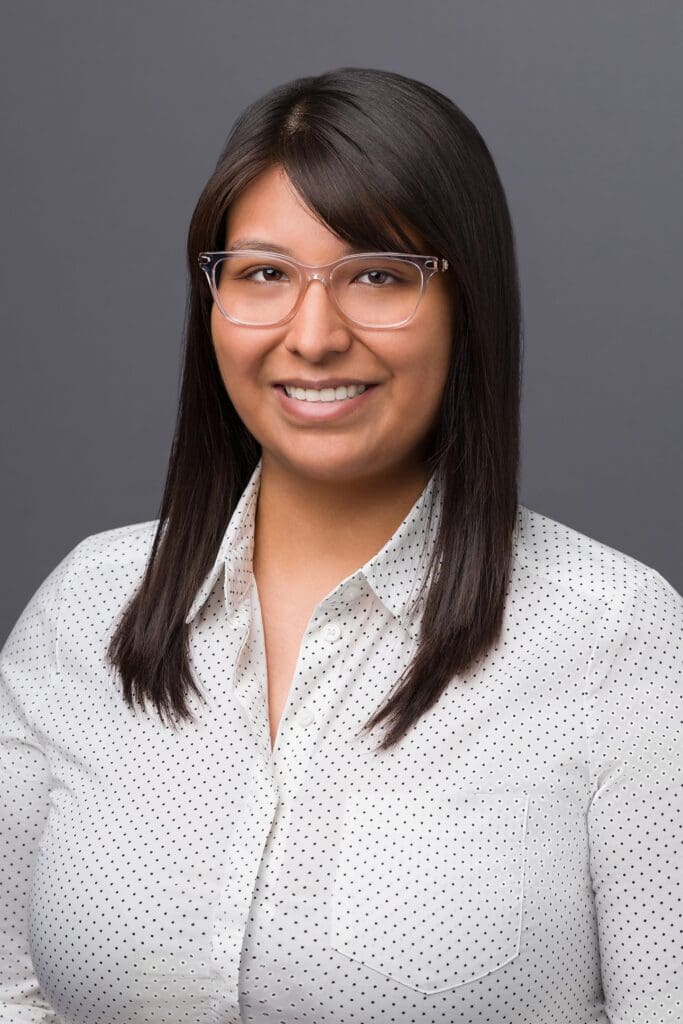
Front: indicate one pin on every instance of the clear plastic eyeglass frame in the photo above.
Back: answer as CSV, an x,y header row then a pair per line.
x,y
427,265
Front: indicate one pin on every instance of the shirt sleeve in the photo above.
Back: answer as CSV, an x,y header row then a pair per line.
x,y
634,717
28,665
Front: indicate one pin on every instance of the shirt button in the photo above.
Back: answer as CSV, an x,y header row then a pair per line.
x,y
305,717
331,631
353,592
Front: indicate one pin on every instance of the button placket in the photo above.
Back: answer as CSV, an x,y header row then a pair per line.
x,y
331,632
305,717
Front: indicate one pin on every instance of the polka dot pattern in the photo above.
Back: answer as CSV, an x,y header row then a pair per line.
x,y
516,859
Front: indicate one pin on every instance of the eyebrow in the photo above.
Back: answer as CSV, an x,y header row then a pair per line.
x,y
265,246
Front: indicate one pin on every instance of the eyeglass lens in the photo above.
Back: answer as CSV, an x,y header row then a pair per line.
x,y
372,290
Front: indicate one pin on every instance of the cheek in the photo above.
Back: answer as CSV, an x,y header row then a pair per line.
x,y
222,336
419,385
425,371
235,353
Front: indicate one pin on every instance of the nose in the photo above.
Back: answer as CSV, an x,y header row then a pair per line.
x,y
317,327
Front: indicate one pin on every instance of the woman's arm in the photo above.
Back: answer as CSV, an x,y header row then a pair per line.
x,y
28,666
635,821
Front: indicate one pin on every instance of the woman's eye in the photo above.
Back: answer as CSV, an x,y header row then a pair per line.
x,y
269,272
377,277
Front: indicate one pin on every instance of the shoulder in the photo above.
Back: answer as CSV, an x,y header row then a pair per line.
x,y
104,571
75,603
555,555
86,588
123,548
116,552
631,614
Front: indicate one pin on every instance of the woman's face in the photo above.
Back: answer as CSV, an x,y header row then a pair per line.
x,y
386,431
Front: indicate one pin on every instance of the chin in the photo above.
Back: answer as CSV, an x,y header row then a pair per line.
x,y
323,465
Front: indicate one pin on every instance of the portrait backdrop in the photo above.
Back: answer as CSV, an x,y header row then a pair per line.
x,y
113,117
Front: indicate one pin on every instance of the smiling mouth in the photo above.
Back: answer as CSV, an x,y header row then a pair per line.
x,y
318,410
331,394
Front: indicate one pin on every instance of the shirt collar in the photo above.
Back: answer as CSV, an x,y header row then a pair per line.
x,y
395,573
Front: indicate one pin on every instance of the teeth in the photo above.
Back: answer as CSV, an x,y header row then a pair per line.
x,y
326,394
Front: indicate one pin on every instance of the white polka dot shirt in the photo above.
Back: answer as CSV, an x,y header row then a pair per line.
x,y
516,859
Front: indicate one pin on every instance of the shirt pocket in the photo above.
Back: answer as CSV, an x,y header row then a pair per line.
x,y
429,884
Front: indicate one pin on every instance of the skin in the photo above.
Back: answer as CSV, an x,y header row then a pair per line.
x,y
331,494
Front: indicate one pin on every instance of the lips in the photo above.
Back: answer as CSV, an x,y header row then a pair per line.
x,y
320,387
321,412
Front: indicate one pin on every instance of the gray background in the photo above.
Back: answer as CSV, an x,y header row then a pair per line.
x,y
113,117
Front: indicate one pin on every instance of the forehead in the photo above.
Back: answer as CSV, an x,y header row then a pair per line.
x,y
271,214
270,210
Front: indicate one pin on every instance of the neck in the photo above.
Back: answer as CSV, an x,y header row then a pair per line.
x,y
328,527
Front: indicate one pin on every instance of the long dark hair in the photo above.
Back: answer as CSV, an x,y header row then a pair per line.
x,y
370,151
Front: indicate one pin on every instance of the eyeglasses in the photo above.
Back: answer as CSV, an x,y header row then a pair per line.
x,y
265,289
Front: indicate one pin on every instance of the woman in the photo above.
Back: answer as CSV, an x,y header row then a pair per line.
x,y
202,818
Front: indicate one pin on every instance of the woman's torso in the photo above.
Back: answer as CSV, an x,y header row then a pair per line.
x,y
201,875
